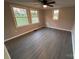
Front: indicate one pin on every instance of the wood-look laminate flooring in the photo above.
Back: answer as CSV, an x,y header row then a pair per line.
x,y
45,43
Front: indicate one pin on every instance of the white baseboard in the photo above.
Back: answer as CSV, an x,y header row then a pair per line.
x,y
60,29
7,55
33,30
22,34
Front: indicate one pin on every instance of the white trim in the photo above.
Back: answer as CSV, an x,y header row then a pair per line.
x,y
33,30
60,29
73,39
7,54
22,34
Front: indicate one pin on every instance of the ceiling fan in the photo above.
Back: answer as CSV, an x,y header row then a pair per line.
x,y
46,3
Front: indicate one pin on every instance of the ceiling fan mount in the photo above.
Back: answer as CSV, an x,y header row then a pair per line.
x,y
47,3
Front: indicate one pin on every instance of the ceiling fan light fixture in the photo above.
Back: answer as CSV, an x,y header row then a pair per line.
x,y
45,6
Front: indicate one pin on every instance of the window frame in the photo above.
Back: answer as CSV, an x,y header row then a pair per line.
x,y
15,17
37,15
54,14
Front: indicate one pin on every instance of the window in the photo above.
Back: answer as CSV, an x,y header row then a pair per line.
x,y
34,16
56,15
20,16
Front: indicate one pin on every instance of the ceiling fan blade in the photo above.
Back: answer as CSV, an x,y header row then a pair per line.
x,y
50,5
53,2
43,1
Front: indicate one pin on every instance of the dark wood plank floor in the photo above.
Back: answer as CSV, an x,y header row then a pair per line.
x,y
44,43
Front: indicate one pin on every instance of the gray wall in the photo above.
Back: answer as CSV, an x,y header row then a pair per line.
x,y
9,24
65,21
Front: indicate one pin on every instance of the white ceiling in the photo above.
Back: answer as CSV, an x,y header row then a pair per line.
x,y
36,4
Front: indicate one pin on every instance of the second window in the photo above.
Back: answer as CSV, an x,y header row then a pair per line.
x,y
34,16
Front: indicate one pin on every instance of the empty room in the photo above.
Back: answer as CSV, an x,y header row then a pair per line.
x,y
39,29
